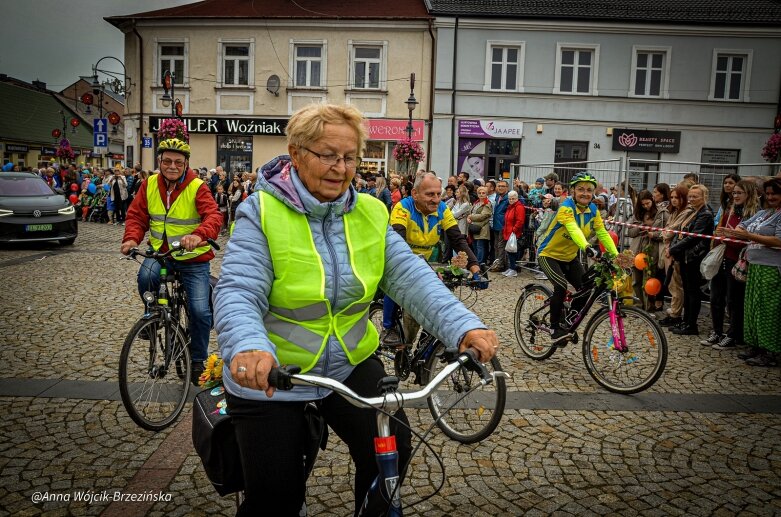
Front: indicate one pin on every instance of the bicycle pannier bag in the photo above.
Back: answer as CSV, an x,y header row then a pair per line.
x,y
215,441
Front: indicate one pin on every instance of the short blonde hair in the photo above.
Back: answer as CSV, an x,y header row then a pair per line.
x,y
306,126
701,188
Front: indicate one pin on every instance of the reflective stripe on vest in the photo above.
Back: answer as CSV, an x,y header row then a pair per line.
x,y
180,220
300,318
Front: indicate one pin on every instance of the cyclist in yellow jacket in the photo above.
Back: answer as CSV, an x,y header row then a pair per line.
x,y
576,220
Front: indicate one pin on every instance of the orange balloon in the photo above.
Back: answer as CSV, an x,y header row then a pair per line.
x,y
653,286
641,261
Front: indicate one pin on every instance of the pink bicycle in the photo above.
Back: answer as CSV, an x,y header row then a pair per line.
x,y
624,348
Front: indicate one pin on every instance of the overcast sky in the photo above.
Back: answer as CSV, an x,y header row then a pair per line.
x,y
56,41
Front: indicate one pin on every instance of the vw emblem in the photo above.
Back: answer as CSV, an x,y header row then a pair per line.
x,y
36,213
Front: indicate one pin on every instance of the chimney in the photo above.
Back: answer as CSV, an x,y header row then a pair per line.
x,y
39,84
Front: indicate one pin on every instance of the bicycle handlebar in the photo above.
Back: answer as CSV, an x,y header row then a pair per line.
x,y
284,378
176,246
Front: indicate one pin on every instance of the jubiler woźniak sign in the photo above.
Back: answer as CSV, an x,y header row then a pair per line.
x,y
228,125
647,141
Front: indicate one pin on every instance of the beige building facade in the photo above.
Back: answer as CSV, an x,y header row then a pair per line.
x,y
239,80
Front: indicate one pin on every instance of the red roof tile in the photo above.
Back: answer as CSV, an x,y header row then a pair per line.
x,y
317,9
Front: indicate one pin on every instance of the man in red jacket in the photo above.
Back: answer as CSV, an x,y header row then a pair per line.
x,y
176,205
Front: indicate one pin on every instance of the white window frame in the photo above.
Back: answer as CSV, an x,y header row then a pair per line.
x,y
489,46
383,61
664,86
748,55
593,89
246,42
160,42
323,64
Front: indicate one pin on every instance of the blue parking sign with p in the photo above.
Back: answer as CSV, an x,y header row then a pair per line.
x,y
100,139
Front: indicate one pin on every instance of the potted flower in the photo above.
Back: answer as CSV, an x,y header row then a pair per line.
x,y
772,150
173,128
409,153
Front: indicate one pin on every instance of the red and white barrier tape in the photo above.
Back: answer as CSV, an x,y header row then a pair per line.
x,y
680,232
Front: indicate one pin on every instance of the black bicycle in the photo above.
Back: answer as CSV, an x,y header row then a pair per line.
x,y
624,348
154,366
467,419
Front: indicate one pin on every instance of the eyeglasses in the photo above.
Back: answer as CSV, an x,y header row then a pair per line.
x,y
167,162
738,193
350,162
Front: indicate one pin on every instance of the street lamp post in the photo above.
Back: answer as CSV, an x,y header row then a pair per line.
x,y
411,103
169,99
97,88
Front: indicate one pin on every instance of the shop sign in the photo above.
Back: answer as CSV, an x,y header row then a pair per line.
x,y
487,128
48,151
646,141
228,125
235,144
393,130
117,156
15,148
726,156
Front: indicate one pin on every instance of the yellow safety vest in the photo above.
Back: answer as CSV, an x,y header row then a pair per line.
x,y
300,317
180,220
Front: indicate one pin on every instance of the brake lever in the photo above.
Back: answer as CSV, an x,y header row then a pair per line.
x,y
472,363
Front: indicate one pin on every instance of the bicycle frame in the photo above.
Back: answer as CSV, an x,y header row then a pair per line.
x,y
386,486
616,323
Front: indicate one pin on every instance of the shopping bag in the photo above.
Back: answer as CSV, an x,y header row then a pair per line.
x,y
710,265
512,244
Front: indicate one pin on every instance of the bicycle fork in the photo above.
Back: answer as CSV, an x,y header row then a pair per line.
x,y
385,489
617,327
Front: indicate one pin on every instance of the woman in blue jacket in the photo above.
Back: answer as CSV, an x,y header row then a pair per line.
x,y
306,256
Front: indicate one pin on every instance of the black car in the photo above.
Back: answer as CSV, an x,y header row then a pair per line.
x,y
31,211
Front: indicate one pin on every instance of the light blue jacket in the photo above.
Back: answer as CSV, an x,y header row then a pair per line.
x,y
241,296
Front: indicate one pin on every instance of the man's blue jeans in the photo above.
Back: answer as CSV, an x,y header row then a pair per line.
x,y
195,277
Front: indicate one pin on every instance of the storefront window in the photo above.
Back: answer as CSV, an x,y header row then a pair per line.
x,y
234,153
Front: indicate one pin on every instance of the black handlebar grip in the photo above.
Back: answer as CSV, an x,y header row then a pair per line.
x,y
279,378
476,366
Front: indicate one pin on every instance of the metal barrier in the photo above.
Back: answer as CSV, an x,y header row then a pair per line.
x,y
644,174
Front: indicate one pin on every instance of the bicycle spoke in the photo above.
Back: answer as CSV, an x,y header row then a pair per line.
x,y
638,366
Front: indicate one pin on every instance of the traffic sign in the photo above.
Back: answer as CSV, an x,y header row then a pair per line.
x,y
100,133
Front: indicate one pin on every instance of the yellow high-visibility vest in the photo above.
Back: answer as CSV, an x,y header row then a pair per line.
x,y
182,218
300,317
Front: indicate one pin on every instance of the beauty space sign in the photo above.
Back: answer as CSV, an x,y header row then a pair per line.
x,y
647,141
487,128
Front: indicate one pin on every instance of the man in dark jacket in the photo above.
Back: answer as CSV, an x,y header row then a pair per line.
x,y
497,226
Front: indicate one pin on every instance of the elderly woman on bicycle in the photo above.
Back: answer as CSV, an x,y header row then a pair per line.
x,y
576,219
306,256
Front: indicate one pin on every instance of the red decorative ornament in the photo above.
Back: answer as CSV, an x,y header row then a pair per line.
x,y
75,122
114,118
56,133
73,198
167,81
74,187
87,99
179,108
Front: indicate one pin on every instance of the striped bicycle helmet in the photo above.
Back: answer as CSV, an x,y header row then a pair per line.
x,y
583,177
174,145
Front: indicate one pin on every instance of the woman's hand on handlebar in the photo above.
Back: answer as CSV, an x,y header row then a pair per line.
x,y
484,341
127,246
250,369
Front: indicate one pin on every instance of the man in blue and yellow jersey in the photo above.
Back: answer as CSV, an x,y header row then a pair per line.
x,y
419,220
568,233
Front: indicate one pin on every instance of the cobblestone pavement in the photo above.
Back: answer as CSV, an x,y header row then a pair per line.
x,y
575,451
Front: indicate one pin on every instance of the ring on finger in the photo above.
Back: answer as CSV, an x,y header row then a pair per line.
x,y
241,369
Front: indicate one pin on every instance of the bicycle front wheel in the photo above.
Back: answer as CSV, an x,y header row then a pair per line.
x,y
639,366
531,321
153,389
465,411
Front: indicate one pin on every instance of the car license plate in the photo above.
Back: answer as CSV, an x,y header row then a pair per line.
x,y
38,227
